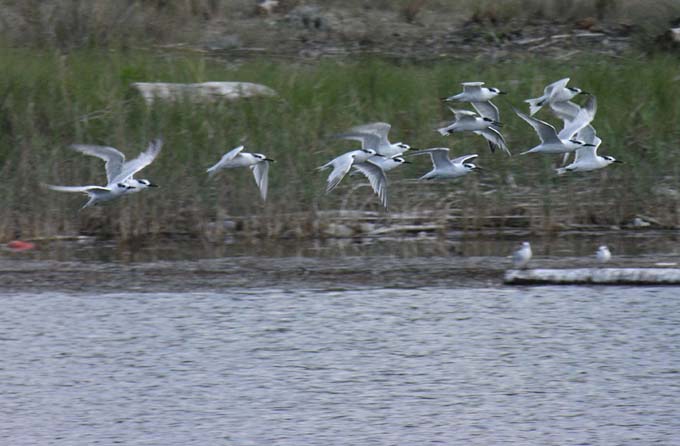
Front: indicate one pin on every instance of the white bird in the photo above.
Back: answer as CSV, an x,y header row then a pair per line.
x,y
574,125
556,95
551,141
467,121
117,169
475,92
603,255
96,194
521,257
586,158
494,138
258,163
386,164
445,168
119,173
373,136
376,178
343,163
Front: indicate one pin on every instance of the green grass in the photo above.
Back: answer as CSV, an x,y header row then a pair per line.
x,y
49,100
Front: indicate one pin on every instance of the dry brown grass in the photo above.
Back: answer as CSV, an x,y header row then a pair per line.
x,y
76,23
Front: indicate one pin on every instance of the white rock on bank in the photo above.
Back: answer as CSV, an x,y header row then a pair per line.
x,y
200,92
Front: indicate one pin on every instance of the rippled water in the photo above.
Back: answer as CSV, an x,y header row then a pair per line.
x,y
485,366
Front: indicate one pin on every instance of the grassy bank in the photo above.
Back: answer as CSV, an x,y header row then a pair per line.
x,y
49,100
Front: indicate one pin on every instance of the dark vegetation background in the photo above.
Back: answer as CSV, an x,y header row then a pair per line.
x,y
66,69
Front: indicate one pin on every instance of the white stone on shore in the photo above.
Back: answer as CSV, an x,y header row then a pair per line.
x,y
200,92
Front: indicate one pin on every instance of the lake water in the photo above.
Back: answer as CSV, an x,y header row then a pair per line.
x,y
309,365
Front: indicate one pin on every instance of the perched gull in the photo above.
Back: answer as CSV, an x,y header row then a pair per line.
x,y
445,168
551,141
521,257
603,255
558,96
374,137
586,158
119,173
343,163
257,162
475,92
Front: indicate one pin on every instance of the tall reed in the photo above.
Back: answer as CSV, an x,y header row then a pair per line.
x,y
49,100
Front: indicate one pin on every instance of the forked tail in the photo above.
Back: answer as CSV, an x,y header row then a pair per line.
x,y
535,105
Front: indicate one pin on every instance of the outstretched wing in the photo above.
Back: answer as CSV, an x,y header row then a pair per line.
x,y
230,155
341,166
371,136
113,157
261,174
495,139
584,117
462,114
463,159
556,86
472,87
565,110
83,189
144,159
439,156
487,109
545,131
588,135
376,177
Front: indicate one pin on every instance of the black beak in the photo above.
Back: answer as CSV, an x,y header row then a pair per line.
x,y
270,160
497,124
502,92
619,161
588,145
153,185
407,162
413,148
131,187
478,168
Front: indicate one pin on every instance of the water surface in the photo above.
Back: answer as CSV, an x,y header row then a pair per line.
x,y
284,366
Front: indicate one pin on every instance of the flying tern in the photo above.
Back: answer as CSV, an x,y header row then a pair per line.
x,y
343,163
586,158
373,136
556,95
475,92
258,163
119,172
445,168
551,141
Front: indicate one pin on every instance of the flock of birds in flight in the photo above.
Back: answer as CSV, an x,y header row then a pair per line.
x,y
378,155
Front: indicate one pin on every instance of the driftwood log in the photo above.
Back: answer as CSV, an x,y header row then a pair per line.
x,y
600,276
200,92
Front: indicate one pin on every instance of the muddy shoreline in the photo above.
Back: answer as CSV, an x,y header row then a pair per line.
x,y
476,260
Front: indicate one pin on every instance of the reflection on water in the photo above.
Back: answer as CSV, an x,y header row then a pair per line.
x,y
485,366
